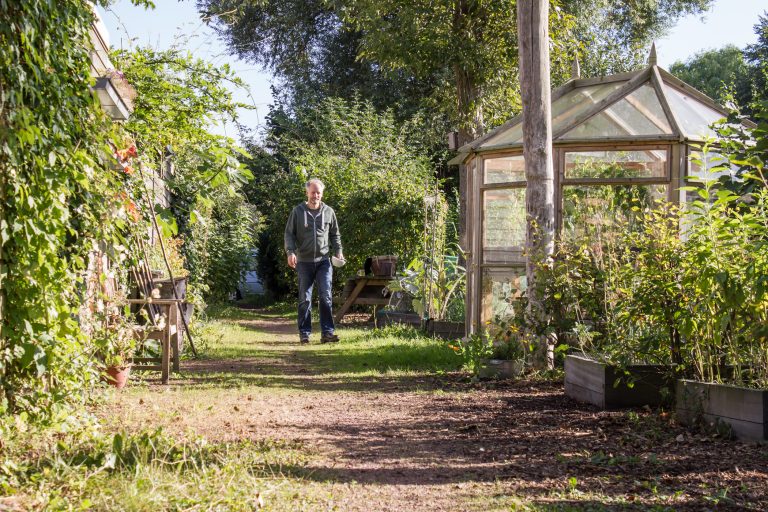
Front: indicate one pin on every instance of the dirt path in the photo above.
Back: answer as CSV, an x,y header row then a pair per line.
x,y
420,442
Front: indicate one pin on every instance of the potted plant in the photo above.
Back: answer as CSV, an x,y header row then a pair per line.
x,y
498,354
506,360
114,339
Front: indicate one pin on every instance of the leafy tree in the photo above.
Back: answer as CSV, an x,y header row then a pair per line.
x,y
465,52
179,99
376,181
756,56
720,74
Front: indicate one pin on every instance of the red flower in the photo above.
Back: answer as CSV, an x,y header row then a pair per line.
x,y
132,151
133,211
128,170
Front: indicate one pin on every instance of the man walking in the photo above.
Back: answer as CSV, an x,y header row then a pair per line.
x,y
311,236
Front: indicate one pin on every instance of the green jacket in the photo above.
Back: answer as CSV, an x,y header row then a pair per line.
x,y
312,236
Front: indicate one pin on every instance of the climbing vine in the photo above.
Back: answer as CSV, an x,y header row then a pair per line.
x,y
61,195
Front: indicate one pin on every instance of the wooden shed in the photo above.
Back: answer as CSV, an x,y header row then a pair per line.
x,y
619,141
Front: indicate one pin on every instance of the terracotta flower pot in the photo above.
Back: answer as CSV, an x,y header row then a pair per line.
x,y
117,376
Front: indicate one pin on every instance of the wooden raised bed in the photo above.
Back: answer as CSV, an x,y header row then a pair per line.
x,y
500,369
590,381
743,410
445,330
385,317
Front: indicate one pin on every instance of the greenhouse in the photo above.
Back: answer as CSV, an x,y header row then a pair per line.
x,y
619,142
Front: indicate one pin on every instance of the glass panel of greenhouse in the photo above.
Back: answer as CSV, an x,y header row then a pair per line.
x,y
501,290
505,170
564,109
600,211
503,225
694,116
607,164
640,113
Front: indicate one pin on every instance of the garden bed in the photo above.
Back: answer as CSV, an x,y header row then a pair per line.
x,y
446,330
743,411
590,381
385,317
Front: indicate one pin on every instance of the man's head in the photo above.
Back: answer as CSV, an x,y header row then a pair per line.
x,y
315,190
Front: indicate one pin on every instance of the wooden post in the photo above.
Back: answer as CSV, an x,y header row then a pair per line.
x,y
533,41
165,351
175,334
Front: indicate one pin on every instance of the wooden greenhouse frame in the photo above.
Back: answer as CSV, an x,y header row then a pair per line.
x,y
647,113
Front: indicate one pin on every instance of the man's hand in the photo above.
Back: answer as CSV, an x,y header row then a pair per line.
x,y
292,260
340,256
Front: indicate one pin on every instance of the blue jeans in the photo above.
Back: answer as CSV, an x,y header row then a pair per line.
x,y
309,274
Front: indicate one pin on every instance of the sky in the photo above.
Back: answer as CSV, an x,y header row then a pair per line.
x,y
172,21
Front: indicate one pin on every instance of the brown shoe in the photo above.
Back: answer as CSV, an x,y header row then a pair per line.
x,y
329,338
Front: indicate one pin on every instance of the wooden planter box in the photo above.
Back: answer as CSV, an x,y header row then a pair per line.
x,y
743,410
166,289
500,369
384,318
445,330
590,381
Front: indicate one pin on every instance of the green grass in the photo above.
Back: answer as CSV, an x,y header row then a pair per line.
x,y
147,472
175,470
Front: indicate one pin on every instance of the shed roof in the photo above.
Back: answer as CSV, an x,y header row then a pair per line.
x,y
645,105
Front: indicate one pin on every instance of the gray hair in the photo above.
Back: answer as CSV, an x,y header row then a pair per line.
x,y
317,182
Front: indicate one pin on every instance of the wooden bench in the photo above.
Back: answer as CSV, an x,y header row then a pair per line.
x,y
366,290
170,337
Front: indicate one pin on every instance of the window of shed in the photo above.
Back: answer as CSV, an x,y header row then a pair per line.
x,y
505,170
611,164
501,291
604,210
503,225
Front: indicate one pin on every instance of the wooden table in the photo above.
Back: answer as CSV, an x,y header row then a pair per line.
x,y
367,291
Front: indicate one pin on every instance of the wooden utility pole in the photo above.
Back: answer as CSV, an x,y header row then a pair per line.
x,y
533,47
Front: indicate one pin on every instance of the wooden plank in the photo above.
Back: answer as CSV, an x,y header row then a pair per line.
x,y
593,381
368,301
585,373
147,360
585,395
166,356
173,335
350,300
148,367
722,400
156,302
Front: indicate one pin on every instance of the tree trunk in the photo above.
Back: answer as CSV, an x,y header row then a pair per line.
x,y
533,37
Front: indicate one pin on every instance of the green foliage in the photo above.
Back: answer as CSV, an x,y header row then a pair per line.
x,y
375,181
756,56
229,238
179,99
455,58
695,301
746,150
473,351
60,194
720,74
436,286
500,342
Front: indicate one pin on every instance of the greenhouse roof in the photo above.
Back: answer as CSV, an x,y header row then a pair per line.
x,y
646,105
